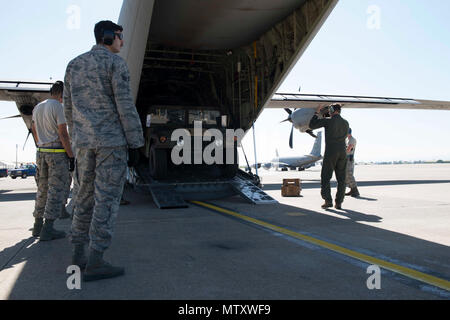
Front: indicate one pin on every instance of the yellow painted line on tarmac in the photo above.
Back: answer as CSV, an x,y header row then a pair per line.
x,y
408,272
295,214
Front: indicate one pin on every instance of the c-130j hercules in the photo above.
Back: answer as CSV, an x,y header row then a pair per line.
x,y
218,62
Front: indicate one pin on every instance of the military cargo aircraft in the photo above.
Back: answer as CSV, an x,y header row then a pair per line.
x,y
226,58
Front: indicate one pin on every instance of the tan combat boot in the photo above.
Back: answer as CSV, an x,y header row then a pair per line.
x,y
49,233
37,227
79,257
97,268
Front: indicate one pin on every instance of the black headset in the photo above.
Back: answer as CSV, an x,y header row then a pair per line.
x,y
108,37
331,109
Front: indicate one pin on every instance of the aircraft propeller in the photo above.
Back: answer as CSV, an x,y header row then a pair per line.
x,y
310,132
17,116
28,135
291,136
291,113
29,131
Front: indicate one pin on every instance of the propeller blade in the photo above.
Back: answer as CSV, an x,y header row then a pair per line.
x,y
288,111
310,132
17,116
288,119
29,132
291,137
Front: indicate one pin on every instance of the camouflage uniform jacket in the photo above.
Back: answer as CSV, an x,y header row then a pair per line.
x,y
98,104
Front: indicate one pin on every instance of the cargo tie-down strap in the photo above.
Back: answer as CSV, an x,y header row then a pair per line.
x,y
47,150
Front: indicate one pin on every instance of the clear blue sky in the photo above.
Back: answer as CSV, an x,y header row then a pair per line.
x,y
407,57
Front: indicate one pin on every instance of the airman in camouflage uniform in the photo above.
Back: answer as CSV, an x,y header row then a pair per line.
x,y
103,123
70,206
58,165
350,178
53,164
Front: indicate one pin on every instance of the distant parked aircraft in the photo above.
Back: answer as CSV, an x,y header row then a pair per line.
x,y
296,162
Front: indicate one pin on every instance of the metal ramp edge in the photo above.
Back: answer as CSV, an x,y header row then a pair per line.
x,y
251,192
165,197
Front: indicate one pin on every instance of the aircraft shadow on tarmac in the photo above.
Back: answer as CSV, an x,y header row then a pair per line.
x,y
350,214
8,254
24,196
315,184
168,255
367,199
356,216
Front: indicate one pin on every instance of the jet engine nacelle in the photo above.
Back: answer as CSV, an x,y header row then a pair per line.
x,y
267,166
257,165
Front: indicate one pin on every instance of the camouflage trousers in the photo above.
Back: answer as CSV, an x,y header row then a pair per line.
x,y
53,183
100,176
349,177
71,205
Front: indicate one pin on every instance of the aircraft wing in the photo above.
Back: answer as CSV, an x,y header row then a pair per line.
x,y
26,94
290,100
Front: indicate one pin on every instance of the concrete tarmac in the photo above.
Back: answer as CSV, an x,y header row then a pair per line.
x,y
278,251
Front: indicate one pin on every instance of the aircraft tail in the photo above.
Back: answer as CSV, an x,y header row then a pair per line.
x,y
317,145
